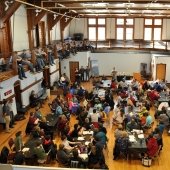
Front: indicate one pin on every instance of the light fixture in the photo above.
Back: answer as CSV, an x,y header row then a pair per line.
x,y
74,11
66,19
55,16
37,12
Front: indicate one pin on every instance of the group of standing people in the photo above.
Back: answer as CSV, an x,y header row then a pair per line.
x,y
83,74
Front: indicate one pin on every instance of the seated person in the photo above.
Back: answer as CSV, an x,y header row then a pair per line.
x,y
67,144
26,60
62,156
75,132
76,158
35,99
3,65
132,125
38,113
40,152
32,122
95,160
149,120
50,56
121,145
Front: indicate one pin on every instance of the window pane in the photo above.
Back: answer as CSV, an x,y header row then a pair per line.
x,y
148,21
92,21
129,33
101,33
157,33
92,33
119,33
148,34
129,21
157,22
120,21
101,21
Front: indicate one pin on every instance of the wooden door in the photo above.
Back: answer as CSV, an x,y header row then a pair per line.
x,y
42,36
73,66
46,74
5,40
161,71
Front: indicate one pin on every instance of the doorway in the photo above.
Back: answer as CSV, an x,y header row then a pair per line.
x,y
73,66
161,71
17,90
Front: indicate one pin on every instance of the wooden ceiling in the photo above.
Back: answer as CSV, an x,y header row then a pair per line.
x,y
106,8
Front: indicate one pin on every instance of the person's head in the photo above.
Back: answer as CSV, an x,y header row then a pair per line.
x,y
61,147
63,137
31,114
94,110
133,121
93,149
87,120
38,143
76,126
37,108
124,134
120,127
18,133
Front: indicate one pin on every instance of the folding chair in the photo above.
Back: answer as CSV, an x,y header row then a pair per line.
x,y
74,164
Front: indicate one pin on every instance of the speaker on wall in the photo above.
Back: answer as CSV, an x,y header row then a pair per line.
x,y
78,37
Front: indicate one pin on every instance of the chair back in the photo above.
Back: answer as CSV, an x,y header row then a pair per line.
x,y
74,164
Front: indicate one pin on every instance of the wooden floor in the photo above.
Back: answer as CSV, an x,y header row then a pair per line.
x,y
164,162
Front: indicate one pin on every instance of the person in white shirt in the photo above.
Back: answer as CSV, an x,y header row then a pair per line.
x,y
94,117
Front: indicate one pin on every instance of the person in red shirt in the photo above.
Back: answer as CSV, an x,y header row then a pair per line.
x,y
152,146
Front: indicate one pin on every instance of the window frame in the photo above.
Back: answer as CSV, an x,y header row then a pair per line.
x,y
124,26
97,26
153,26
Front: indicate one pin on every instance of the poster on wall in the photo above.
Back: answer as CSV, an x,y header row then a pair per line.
x,y
94,68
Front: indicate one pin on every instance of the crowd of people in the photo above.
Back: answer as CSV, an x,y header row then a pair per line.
x,y
130,102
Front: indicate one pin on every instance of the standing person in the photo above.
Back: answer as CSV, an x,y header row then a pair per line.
x,y
114,74
87,71
77,76
12,122
18,141
81,71
6,114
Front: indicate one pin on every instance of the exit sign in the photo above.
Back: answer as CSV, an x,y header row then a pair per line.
x,y
8,92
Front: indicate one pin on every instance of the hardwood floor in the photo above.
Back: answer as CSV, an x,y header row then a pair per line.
x,y
164,161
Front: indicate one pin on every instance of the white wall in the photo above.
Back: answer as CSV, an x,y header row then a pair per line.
x,y
55,76
110,28
162,59
19,29
138,28
55,32
66,31
79,26
123,61
81,57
